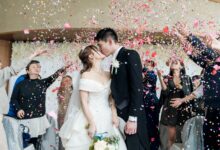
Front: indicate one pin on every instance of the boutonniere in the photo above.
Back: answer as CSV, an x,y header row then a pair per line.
x,y
115,66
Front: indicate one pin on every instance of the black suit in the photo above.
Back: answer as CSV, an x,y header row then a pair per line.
x,y
127,90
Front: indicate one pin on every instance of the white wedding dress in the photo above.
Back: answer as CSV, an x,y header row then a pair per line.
x,y
74,134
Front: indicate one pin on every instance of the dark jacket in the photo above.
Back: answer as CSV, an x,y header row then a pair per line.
x,y
211,81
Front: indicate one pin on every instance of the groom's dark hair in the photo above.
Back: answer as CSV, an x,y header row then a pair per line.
x,y
105,33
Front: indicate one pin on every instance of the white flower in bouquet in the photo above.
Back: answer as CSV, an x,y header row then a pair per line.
x,y
100,145
111,147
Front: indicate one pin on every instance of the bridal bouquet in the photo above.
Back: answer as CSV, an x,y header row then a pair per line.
x,y
102,141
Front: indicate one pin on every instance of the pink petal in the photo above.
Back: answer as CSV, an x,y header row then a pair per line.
x,y
147,53
152,107
154,54
26,31
53,114
67,26
213,72
166,29
55,89
196,23
152,139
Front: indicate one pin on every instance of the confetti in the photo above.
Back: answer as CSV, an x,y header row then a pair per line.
x,y
53,114
166,29
67,26
196,23
213,72
26,31
55,89
147,53
154,54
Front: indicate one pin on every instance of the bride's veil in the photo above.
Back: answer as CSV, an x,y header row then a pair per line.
x,y
74,102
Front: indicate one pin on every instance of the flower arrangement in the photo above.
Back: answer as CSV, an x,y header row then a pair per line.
x,y
104,142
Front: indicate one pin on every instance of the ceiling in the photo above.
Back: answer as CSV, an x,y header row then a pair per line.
x,y
217,1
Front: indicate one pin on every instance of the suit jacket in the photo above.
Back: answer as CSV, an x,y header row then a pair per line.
x,y
126,85
127,91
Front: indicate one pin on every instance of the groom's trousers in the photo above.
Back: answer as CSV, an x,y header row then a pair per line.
x,y
133,142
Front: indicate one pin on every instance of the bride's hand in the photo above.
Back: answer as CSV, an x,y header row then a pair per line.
x,y
91,130
115,120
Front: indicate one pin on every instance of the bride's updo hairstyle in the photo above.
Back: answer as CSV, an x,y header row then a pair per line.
x,y
84,57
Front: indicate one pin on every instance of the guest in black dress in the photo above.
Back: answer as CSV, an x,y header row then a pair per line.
x,y
176,85
28,99
151,103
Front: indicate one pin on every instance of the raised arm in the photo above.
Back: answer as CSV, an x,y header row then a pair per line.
x,y
49,80
201,53
7,72
161,79
204,51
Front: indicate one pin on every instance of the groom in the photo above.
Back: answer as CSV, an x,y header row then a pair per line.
x,y
126,87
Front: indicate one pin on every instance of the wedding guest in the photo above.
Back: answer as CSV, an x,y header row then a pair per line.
x,y
151,103
12,111
208,59
196,98
29,97
5,74
176,85
192,133
64,94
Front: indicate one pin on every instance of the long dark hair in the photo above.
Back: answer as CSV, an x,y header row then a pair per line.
x,y
182,70
84,57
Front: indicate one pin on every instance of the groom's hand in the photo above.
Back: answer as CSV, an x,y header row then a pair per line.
x,y
131,127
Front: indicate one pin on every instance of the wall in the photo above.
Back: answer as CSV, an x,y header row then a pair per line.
x,y
5,52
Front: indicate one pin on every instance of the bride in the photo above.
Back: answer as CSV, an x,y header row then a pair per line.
x,y
97,113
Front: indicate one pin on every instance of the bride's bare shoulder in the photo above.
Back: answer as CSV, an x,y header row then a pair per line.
x,y
85,74
107,74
